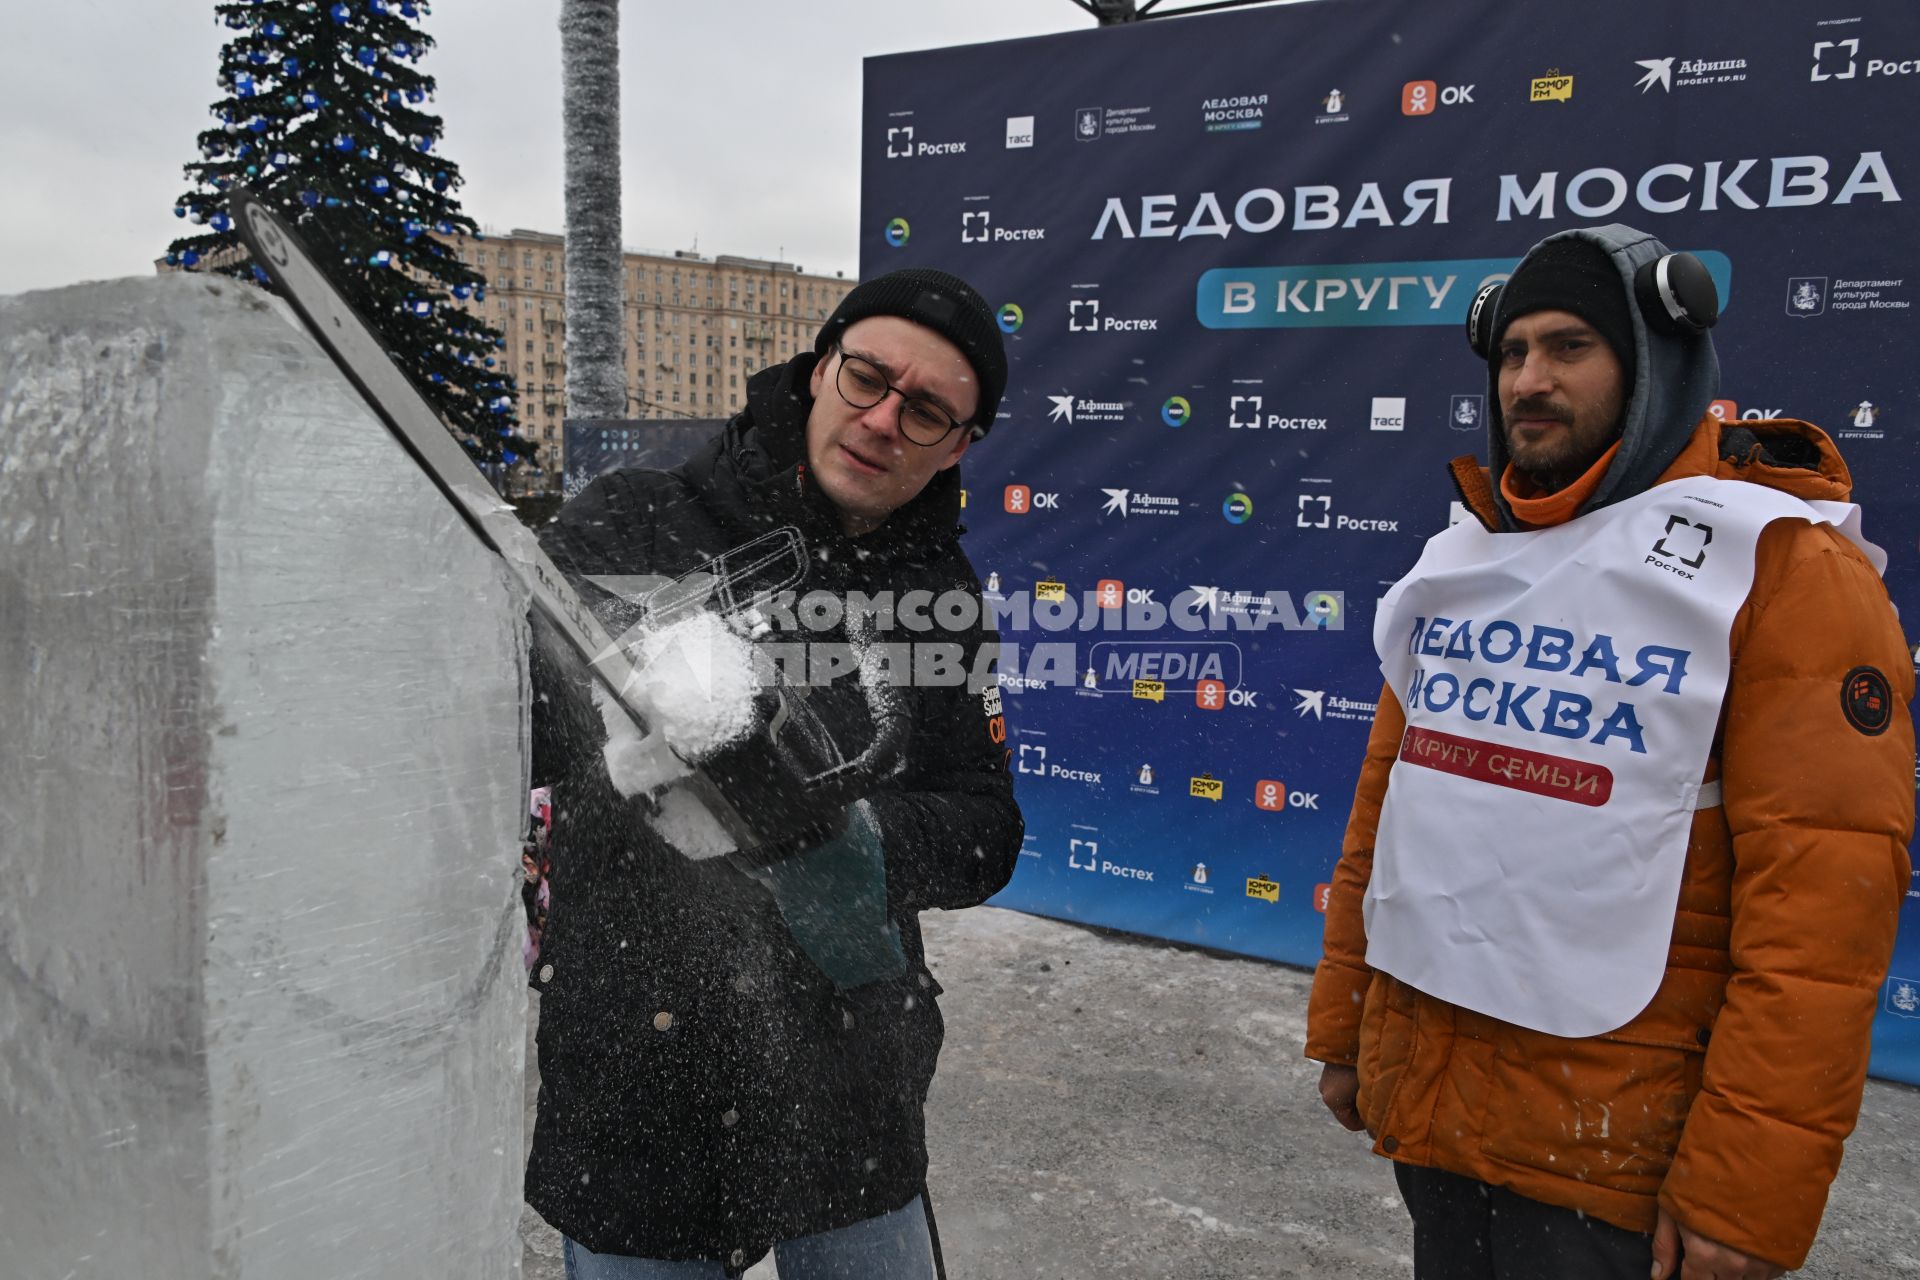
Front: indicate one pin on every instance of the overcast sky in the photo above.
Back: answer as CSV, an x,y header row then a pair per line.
x,y
740,119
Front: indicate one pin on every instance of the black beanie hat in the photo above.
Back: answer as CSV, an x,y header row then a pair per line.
x,y
1571,274
945,304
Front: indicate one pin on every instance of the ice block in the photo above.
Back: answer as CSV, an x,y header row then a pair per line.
x,y
263,767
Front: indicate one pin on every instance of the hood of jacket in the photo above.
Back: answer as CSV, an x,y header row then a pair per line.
x,y
1675,379
754,474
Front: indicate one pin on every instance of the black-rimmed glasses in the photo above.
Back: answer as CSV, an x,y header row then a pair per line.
x,y
862,385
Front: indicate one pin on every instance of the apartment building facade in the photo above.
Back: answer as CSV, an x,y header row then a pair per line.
x,y
696,327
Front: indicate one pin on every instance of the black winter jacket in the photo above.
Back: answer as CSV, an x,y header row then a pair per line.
x,y
705,1089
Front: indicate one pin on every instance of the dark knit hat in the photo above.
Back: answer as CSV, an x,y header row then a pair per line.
x,y
1573,275
945,304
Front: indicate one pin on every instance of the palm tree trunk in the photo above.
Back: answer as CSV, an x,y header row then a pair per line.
x,y
590,58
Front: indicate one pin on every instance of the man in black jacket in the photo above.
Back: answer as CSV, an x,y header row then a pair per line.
x,y
730,1059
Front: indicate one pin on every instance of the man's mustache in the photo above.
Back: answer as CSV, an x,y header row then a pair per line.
x,y
1537,408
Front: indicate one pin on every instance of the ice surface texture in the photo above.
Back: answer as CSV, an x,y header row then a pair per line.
x,y
261,695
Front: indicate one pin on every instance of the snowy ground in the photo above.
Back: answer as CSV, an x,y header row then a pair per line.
x,y
1126,1109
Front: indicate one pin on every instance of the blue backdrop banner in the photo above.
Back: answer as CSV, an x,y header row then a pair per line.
x,y
1232,255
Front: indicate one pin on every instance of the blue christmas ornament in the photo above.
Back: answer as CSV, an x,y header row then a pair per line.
x,y
243,85
333,202
343,143
444,227
190,258
416,95
260,275
479,295
366,56
437,377
179,211
258,124
310,100
408,11
311,199
340,13
489,362
378,7
401,49
258,58
173,259
420,307
273,31
291,66
280,159
508,456
221,222
426,143
461,292
440,181
379,185
412,228
380,259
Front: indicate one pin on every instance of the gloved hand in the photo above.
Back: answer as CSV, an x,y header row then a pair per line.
x,y
833,898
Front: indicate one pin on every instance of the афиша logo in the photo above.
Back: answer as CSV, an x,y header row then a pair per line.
x,y
897,232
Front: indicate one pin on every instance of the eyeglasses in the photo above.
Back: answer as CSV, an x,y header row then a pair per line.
x,y
862,385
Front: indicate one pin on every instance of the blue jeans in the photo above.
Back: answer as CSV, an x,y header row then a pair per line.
x,y
893,1246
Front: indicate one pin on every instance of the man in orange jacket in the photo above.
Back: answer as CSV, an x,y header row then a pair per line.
x,y
1624,866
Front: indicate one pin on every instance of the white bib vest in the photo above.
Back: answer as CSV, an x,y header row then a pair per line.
x,y
1562,688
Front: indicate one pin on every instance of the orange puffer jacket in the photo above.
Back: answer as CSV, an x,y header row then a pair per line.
x,y
1729,1096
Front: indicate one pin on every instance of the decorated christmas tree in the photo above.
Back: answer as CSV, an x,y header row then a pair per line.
x,y
323,115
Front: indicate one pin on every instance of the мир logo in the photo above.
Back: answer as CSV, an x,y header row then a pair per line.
x,y
1238,508
897,232
1176,411
1010,317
